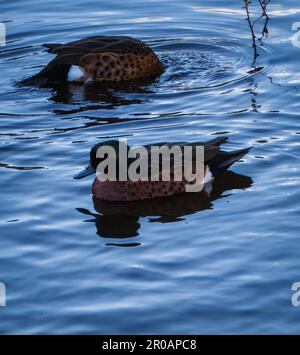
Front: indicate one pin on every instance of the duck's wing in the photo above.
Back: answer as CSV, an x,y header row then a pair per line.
x,y
211,148
100,44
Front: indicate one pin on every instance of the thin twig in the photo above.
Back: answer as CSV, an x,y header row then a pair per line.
x,y
263,4
247,3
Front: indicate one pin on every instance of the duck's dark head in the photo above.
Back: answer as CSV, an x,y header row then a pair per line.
x,y
95,161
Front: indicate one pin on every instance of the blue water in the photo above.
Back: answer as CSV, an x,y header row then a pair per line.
x,y
223,263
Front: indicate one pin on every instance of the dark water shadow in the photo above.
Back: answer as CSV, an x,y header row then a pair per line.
x,y
106,93
120,220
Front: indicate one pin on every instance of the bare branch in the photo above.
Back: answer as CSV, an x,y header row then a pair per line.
x,y
263,4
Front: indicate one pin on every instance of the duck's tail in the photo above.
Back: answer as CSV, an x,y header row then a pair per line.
x,y
223,161
37,79
53,72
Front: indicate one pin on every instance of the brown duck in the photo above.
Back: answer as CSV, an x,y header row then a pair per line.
x,y
216,163
99,59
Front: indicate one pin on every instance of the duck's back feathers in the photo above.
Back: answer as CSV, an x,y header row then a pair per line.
x,y
211,148
100,44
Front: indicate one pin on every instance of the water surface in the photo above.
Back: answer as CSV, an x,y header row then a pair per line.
x,y
222,263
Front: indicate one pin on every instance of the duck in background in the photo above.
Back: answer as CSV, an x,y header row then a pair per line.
x,y
107,59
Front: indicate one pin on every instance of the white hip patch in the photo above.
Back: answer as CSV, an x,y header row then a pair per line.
x,y
76,73
208,176
208,180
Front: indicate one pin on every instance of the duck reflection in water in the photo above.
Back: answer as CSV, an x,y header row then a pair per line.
x,y
120,220
97,96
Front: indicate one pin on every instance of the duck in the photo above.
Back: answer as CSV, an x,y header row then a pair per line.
x,y
106,59
216,163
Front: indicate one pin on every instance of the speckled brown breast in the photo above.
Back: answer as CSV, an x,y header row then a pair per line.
x,y
114,67
133,191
